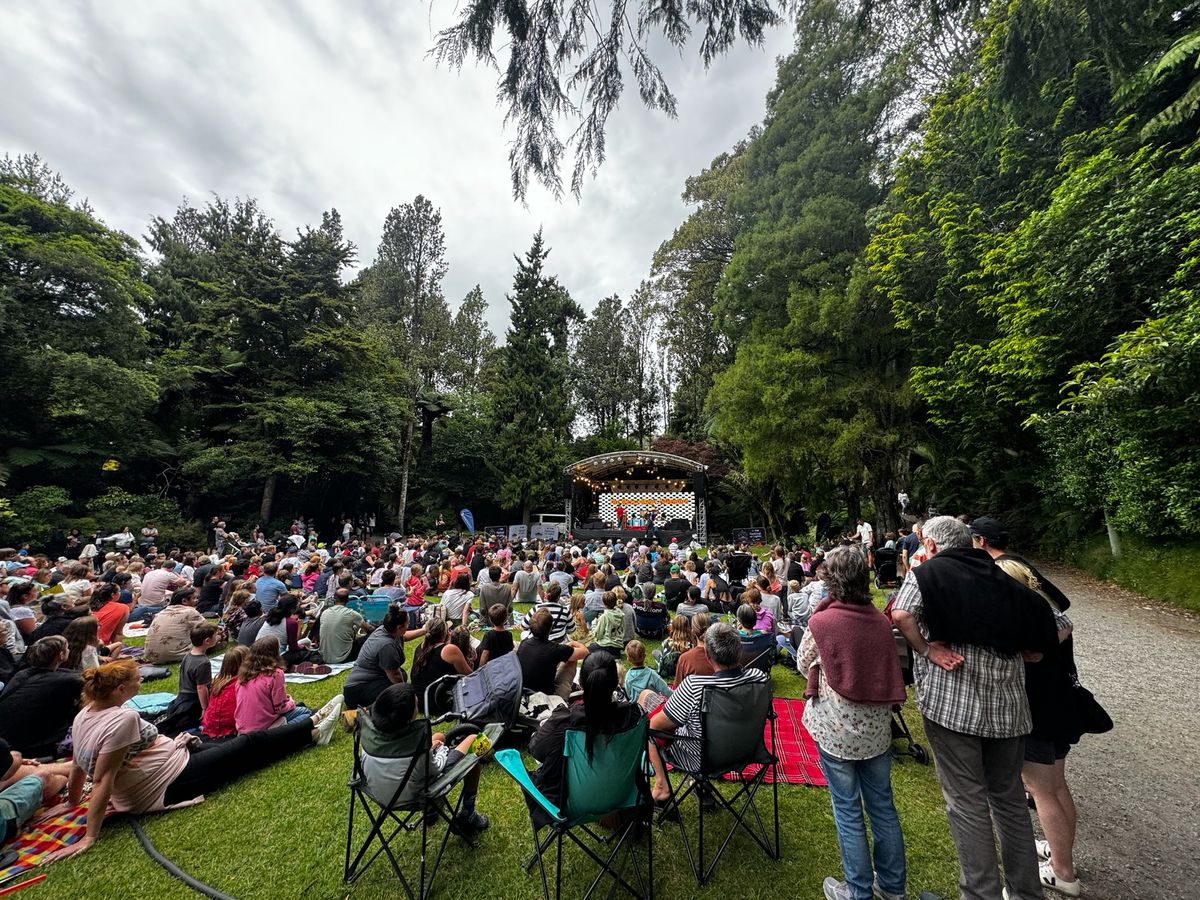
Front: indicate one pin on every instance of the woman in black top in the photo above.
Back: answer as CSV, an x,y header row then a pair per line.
x,y
597,714
40,702
443,653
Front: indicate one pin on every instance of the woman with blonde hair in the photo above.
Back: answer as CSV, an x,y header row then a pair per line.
x,y
134,769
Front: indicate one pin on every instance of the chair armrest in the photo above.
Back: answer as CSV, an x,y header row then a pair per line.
x,y
510,761
453,775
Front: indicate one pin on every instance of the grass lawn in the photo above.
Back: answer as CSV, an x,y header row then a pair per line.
x,y
281,833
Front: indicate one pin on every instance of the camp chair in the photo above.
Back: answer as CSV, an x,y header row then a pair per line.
x,y
758,652
418,801
732,722
612,781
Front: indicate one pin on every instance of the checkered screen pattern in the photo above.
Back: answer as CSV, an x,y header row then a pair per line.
x,y
670,505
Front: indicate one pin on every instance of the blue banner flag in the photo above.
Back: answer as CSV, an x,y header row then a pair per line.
x,y
468,519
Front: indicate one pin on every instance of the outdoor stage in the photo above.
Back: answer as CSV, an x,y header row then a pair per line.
x,y
635,485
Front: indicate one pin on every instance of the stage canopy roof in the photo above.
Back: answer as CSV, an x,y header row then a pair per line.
x,y
631,466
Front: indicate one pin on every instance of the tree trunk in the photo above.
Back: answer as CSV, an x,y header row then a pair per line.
x,y
402,505
268,499
1114,539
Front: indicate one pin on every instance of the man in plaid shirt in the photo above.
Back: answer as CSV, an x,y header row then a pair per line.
x,y
976,713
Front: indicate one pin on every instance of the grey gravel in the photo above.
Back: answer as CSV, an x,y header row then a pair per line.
x,y
1137,788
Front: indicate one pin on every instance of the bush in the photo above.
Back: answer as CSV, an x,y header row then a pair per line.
x,y
116,508
1165,570
33,513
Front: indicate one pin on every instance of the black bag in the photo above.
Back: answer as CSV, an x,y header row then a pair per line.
x,y
1089,716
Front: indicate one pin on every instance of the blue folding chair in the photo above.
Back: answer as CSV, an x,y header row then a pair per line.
x,y
612,781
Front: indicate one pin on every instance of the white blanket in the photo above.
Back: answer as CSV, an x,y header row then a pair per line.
x,y
290,677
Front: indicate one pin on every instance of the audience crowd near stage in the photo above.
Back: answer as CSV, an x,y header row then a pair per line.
x,y
990,640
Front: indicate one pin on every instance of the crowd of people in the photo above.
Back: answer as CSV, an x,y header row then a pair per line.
x,y
992,664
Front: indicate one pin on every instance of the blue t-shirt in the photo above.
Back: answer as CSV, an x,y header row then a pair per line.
x,y
268,590
638,680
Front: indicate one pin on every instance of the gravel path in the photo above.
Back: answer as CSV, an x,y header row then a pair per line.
x,y
1138,787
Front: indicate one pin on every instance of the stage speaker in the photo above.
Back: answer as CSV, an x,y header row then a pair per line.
x,y
700,484
568,484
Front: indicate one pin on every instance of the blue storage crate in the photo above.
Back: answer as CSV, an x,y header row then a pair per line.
x,y
373,609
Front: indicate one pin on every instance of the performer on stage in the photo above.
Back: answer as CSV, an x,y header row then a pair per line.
x,y
620,511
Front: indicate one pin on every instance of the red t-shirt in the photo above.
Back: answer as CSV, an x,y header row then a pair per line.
x,y
108,616
218,718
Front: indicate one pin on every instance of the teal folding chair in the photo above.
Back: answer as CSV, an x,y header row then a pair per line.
x,y
420,798
613,781
732,723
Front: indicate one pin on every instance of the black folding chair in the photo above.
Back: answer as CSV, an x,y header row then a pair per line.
x,y
419,800
732,722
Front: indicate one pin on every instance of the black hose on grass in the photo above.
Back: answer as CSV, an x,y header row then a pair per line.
x,y
194,883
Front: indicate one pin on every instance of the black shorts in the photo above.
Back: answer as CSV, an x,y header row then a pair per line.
x,y
1045,751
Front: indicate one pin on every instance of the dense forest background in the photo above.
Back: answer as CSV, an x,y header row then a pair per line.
x,y
959,258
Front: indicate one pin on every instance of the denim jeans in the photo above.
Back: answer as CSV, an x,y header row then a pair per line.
x,y
139,612
858,783
298,713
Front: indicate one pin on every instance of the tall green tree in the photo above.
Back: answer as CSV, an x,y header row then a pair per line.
x,y
469,344
814,402
531,400
402,293
73,347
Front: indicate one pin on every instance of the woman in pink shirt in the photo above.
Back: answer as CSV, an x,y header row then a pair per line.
x,y
262,699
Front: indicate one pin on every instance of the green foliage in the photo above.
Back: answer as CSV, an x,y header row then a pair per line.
x,y
814,331
1162,570
33,512
70,294
532,405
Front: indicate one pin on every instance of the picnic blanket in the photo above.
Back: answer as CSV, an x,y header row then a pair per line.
x,y
41,838
290,677
135,629
150,704
797,751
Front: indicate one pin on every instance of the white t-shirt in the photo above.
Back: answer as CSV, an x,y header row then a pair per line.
x,y
866,533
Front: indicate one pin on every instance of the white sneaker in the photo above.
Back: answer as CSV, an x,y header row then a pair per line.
x,y
329,720
1043,850
329,710
1052,881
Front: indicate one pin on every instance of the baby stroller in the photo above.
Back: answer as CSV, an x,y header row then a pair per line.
x,y
488,696
900,730
885,568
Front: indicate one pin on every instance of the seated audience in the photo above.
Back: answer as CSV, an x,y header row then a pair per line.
x,y
262,699
134,769
498,640
380,663
38,704
548,667
195,676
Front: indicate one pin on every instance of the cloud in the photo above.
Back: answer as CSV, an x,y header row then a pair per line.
x,y
312,105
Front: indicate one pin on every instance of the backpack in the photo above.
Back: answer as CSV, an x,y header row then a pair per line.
x,y
667,664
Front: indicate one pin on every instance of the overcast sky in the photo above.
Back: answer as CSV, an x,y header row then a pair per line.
x,y
313,105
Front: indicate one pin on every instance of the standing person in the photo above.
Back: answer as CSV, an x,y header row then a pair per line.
x,y
970,626
620,512
1050,686
853,680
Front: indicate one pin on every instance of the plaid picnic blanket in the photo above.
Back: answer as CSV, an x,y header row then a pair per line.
x,y
39,839
797,751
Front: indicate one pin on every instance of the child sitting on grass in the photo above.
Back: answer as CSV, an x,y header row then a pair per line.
x,y
391,713
195,676
608,630
499,640
640,678
217,722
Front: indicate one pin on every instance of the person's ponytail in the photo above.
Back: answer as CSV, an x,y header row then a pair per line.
x,y
599,680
